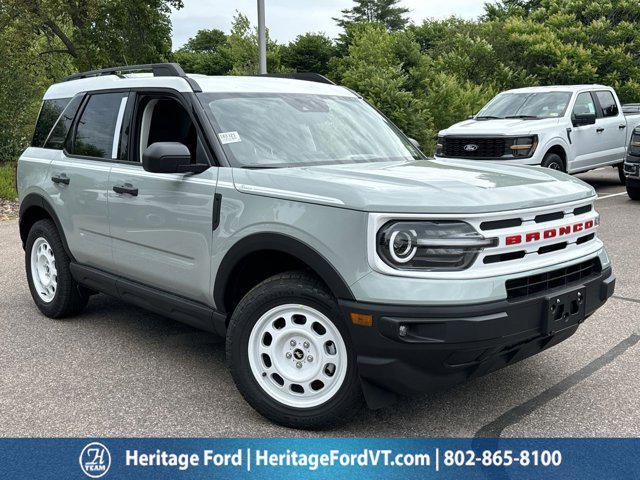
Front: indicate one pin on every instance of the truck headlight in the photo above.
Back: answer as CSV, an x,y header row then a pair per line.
x,y
522,147
634,145
440,146
432,245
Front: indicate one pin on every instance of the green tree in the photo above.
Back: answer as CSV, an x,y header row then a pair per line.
x,y
386,12
207,53
98,33
310,52
242,48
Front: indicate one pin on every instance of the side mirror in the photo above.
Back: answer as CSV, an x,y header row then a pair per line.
x,y
414,142
170,157
581,119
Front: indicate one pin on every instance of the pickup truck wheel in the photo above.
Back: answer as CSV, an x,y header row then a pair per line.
x,y
633,191
290,354
623,177
52,287
554,162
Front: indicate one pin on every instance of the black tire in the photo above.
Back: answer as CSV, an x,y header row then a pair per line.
x,y
69,299
633,191
621,175
554,162
286,288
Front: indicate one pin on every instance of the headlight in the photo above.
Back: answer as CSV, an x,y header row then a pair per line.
x,y
430,245
522,147
634,146
440,146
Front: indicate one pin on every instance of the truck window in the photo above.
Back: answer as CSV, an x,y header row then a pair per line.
x,y
49,113
607,103
584,104
95,130
60,131
164,119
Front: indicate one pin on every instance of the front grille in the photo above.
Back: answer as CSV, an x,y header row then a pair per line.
x,y
562,277
484,147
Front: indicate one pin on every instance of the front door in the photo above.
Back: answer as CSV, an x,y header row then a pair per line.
x,y
161,224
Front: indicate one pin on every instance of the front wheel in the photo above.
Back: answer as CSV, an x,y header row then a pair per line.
x,y
633,191
290,354
553,161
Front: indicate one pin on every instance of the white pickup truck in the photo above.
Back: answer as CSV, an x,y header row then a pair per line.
x,y
573,128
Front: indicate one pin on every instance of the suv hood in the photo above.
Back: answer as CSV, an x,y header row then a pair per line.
x,y
498,127
424,186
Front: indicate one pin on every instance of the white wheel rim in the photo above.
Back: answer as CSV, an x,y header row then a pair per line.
x,y
43,270
297,356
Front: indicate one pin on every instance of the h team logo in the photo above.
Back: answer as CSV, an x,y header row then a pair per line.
x,y
95,460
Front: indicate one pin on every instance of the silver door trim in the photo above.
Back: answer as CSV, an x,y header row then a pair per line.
x,y
118,130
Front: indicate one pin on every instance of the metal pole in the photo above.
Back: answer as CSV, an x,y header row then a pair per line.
x,y
262,38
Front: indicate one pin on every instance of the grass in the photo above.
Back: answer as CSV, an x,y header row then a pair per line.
x,y
8,181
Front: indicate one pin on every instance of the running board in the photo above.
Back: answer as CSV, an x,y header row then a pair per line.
x,y
158,301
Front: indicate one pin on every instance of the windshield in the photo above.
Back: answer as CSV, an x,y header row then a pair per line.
x,y
268,130
526,105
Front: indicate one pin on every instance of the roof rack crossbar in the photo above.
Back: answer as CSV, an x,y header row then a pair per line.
x,y
308,76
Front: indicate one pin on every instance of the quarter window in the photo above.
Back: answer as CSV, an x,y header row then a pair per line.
x,y
49,113
96,127
58,135
608,104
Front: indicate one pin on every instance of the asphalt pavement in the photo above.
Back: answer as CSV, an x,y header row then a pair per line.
x,y
117,370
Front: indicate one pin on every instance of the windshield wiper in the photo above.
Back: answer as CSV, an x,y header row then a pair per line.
x,y
523,117
487,117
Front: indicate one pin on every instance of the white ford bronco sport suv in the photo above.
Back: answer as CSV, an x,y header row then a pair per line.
x,y
573,128
292,218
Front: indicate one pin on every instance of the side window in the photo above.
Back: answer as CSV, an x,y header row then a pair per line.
x,y
95,134
49,113
58,135
164,119
607,103
584,104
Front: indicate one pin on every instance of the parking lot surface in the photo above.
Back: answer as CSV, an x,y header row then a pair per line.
x,y
117,370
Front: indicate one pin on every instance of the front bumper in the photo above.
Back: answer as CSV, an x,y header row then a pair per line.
x,y
441,346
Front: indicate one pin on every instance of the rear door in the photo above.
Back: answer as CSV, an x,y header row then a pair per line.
x,y
81,173
611,129
161,226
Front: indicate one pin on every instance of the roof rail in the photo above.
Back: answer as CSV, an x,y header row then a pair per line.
x,y
158,70
308,76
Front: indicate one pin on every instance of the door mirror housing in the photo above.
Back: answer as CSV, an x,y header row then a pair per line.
x,y
170,157
581,119
414,142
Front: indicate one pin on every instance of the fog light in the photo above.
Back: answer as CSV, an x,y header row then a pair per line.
x,y
403,330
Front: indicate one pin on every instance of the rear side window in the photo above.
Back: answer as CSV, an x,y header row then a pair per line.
x,y
607,103
49,113
60,131
95,131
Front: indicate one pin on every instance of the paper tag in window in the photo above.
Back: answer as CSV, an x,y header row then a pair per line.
x,y
229,137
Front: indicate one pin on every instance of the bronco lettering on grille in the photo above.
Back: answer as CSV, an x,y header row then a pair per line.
x,y
549,233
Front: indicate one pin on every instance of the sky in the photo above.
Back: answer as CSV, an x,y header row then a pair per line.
x,y
286,19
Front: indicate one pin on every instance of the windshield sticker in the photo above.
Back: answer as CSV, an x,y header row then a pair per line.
x,y
229,137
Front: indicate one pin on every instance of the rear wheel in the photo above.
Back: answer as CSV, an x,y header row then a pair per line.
x,y
290,354
621,175
554,162
52,287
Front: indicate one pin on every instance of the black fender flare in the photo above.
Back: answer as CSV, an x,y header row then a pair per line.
x,y
285,244
36,200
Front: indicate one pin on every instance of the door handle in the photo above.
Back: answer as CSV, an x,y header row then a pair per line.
x,y
599,130
60,179
621,127
126,188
